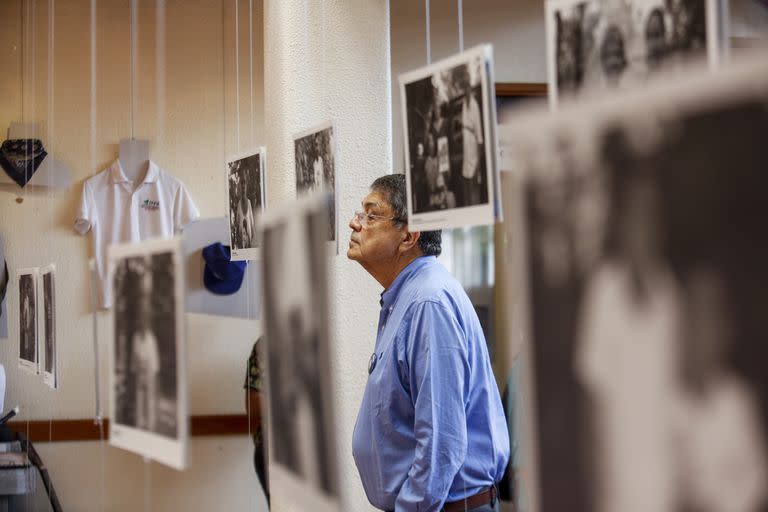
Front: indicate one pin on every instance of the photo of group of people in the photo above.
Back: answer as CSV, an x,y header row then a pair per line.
x,y
645,300
245,187
296,332
28,350
147,360
450,146
316,169
599,44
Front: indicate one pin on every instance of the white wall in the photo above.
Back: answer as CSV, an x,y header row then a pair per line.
x,y
186,101
515,28
330,60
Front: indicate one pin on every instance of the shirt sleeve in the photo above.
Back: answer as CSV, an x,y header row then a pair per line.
x,y
438,372
184,209
85,217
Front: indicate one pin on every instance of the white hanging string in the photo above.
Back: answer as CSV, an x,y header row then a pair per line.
x,y
237,76
160,67
51,78
22,56
250,49
134,57
428,36
93,87
92,272
51,169
32,67
224,78
32,84
461,25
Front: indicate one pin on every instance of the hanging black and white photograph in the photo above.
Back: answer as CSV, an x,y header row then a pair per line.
x,y
450,145
594,45
314,154
245,190
148,384
29,358
50,351
303,460
646,250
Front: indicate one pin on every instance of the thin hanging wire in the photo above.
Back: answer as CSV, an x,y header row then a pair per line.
x,y
461,25
160,19
224,84
427,34
93,87
22,55
51,97
250,50
237,76
134,56
51,170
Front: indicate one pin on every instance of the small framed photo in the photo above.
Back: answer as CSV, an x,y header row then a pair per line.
x,y
314,153
147,361
299,385
29,359
47,294
246,196
450,142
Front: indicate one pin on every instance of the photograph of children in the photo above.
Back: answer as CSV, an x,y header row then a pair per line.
x,y
50,358
147,363
645,224
296,331
245,189
593,45
449,143
316,169
28,351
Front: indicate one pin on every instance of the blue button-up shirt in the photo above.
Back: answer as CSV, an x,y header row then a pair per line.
x,y
431,427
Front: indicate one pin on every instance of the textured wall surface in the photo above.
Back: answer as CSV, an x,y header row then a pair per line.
x,y
330,61
186,106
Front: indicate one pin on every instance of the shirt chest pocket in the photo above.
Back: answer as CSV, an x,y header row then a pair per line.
x,y
391,402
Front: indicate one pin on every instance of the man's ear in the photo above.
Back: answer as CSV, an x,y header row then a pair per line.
x,y
409,241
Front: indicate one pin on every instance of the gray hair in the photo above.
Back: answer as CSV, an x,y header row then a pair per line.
x,y
392,186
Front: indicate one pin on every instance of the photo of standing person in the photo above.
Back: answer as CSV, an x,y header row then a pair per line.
x,y
449,150
48,294
314,151
147,369
245,184
28,353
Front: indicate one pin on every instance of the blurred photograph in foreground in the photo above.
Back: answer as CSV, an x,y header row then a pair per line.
x,y
296,331
645,229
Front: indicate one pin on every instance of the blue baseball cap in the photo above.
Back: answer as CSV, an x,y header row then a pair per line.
x,y
220,275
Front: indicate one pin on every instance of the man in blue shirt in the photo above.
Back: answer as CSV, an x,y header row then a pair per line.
x,y
431,433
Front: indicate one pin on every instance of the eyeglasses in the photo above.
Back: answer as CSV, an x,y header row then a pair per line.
x,y
364,219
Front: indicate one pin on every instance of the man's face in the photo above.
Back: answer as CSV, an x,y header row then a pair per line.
x,y
377,243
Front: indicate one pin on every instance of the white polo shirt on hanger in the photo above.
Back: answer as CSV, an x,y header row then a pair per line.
x,y
116,213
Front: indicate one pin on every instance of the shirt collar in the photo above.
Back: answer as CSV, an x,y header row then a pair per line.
x,y
389,295
117,175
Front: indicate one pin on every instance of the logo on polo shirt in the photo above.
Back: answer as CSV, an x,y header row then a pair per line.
x,y
150,205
